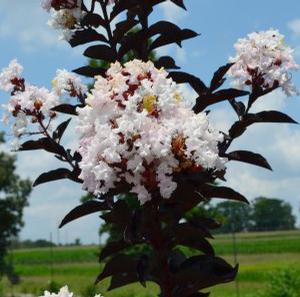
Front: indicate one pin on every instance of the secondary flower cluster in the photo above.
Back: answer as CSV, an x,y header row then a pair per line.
x,y
65,15
136,129
31,104
63,292
263,60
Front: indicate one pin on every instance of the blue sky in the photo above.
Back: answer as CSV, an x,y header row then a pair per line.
x,y
25,35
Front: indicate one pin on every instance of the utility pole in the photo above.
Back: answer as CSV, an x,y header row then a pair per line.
x,y
51,258
234,250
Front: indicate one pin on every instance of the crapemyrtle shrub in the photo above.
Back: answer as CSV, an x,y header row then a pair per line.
x,y
140,136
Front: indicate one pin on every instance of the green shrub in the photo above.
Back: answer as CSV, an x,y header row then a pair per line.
x,y
52,287
1,291
285,283
88,291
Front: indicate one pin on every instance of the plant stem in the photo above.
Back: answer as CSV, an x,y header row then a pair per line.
x,y
162,252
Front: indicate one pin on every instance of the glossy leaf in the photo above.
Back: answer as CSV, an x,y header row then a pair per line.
x,y
124,279
195,82
204,101
113,248
89,71
123,27
249,157
43,144
200,272
218,78
163,27
66,108
53,175
271,116
169,38
187,235
100,52
120,264
93,20
86,36
210,191
166,62
179,3
60,130
84,209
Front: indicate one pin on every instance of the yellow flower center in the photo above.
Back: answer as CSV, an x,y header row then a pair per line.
x,y
178,97
149,103
54,83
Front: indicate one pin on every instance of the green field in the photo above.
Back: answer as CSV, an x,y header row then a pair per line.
x,y
259,256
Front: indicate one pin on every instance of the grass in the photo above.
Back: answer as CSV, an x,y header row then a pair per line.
x,y
259,256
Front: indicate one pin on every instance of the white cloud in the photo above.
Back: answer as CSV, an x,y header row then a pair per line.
x,y
27,22
172,12
294,26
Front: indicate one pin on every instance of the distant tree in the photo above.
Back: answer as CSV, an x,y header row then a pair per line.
x,y
14,193
28,244
77,242
272,214
233,216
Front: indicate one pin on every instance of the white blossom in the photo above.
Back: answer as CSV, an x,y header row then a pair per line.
x,y
46,4
67,82
33,99
263,59
136,129
63,292
66,18
13,71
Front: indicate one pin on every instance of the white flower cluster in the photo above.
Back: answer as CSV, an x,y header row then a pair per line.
x,y
67,82
66,18
28,101
9,75
136,129
263,59
63,292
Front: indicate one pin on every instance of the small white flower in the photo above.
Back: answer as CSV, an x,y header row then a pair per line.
x,y
263,59
13,71
67,82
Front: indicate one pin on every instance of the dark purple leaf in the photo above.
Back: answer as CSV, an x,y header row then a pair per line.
x,y
122,28
195,82
166,62
85,36
179,3
163,27
100,52
210,191
113,248
249,157
93,20
66,108
43,144
53,175
272,116
187,235
84,209
200,272
218,78
89,71
119,264
124,279
60,130
169,38
204,101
